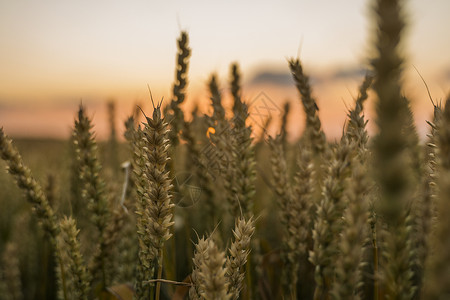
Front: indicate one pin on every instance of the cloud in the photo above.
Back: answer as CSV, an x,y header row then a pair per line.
x,y
280,78
348,73
447,74
272,77
283,79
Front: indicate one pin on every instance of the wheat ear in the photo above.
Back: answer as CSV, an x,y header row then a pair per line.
x,y
200,256
179,87
353,236
328,224
426,210
243,154
25,181
392,157
213,283
437,273
93,190
288,205
239,251
356,129
313,129
158,207
77,283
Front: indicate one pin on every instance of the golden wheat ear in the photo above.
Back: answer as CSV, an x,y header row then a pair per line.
x,y
209,281
154,189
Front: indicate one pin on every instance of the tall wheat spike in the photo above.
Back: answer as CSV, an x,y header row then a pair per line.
x,y
356,129
243,153
157,195
350,243
145,267
313,129
218,155
216,100
392,157
437,273
93,190
433,159
179,87
426,207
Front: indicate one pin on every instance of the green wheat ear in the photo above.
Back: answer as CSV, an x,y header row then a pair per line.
x,y
93,191
31,188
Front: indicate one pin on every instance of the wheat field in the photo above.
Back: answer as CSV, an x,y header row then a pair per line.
x,y
206,209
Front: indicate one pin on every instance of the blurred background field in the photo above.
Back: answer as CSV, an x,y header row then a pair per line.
x,y
54,67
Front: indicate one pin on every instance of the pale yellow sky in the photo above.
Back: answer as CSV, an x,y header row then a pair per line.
x,y
54,53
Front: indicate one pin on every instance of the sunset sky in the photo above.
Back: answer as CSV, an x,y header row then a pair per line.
x,y
54,54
